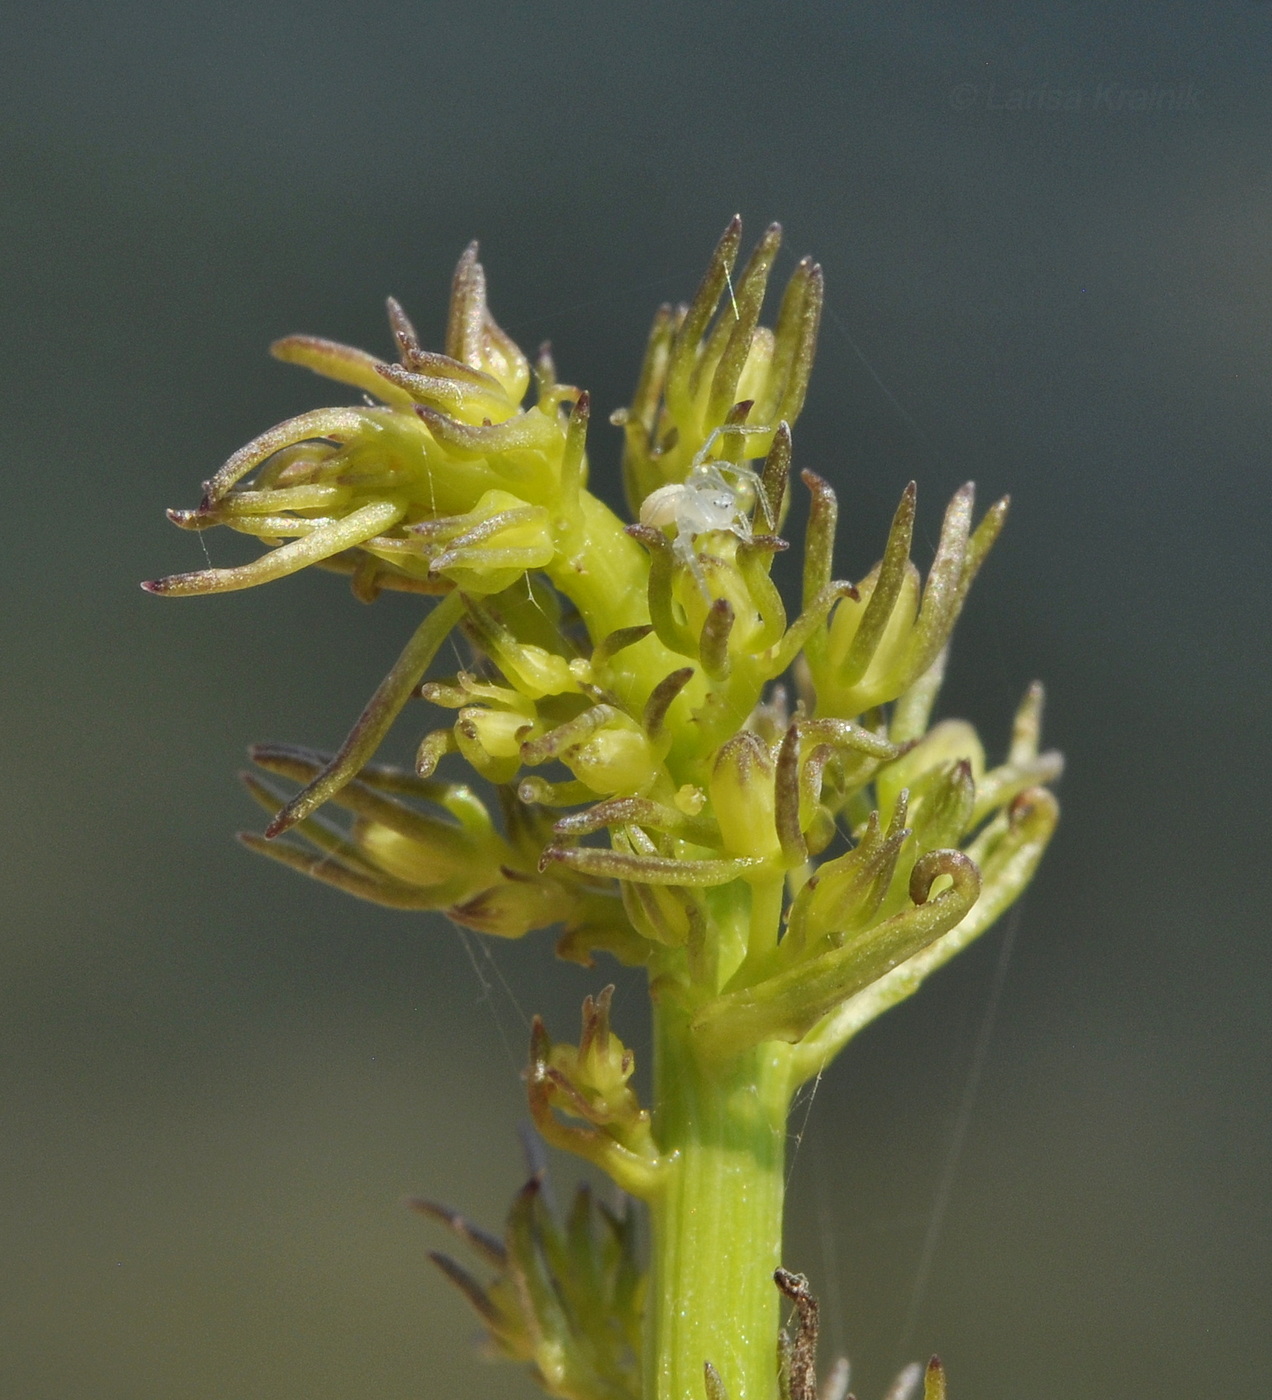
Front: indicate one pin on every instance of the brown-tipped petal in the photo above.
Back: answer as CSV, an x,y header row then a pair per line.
x,y
788,1005
624,811
340,362
473,1292
788,335
450,392
193,519
338,423
375,720
943,591
1026,728
438,835
786,800
404,336
333,538
647,870
653,370
934,1380
615,642
377,889
524,432
596,1021
467,307
819,537
805,348
945,814
660,701
683,361
887,590
481,1243
564,736
775,476
713,641
982,540
270,500
737,325
265,795
573,459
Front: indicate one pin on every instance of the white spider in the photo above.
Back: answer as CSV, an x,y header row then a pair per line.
x,y
706,500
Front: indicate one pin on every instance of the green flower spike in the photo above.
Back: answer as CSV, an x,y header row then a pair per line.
x,y
783,872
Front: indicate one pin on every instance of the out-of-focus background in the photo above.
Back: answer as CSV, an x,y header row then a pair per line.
x,y
1046,235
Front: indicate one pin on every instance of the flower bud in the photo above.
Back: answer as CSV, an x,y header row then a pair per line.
x,y
881,676
617,758
742,797
491,741
432,853
952,740
514,906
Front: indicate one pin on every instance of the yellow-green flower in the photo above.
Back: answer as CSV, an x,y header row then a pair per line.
x,y
755,807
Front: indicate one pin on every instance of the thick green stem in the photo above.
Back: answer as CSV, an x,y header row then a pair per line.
x,y
717,1220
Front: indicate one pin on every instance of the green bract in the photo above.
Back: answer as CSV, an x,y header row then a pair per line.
x,y
785,868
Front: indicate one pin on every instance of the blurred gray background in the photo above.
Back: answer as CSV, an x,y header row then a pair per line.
x,y
1046,235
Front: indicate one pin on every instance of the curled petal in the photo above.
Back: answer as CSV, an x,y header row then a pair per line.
x,y
788,1005
662,575
329,539
338,423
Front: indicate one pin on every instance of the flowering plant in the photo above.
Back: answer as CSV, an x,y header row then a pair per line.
x,y
785,869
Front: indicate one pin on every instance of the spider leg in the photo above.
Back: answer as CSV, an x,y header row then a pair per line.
x,y
755,481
